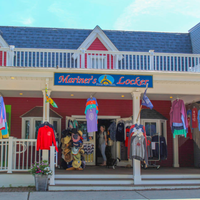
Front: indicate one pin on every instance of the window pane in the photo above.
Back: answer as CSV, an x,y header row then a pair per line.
x,y
37,124
27,129
162,128
55,126
150,128
82,125
153,129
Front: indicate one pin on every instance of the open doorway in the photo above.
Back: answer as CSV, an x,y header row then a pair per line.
x,y
99,158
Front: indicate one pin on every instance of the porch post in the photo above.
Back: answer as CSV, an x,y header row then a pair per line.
x,y
83,58
151,52
10,56
10,154
52,165
45,153
175,152
136,163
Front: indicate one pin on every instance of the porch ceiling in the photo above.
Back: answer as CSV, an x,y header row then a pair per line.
x,y
98,95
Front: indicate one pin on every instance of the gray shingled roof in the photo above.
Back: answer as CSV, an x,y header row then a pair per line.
x,y
151,114
60,38
38,112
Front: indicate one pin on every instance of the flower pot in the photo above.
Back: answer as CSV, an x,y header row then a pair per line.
x,y
41,182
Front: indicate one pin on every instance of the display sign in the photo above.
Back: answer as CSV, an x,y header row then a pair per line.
x,y
102,80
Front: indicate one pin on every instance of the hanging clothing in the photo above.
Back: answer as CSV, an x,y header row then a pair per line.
x,y
127,135
189,134
70,123
4,132
178,113
75,124
181,132
189,113
91,102
2,115
91,117
112,129
162,148
91,106
138,130
46,137
120,132
149,147
138,149
92,99
194,118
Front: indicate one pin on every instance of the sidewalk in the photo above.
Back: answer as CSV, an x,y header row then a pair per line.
x,y
104,195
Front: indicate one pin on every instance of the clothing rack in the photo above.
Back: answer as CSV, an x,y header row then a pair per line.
x,y
154,165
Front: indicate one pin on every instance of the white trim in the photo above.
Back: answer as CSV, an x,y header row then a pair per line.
x,y
3,42
98,58
158,125
98,33
58,120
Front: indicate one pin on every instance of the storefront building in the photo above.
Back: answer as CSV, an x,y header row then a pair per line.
x,y
112,66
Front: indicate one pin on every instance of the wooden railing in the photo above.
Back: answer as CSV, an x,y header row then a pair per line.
x,y
63,58
20,154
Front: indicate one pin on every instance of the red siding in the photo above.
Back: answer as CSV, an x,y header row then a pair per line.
x,y
98,46
19,106
123,108
3,61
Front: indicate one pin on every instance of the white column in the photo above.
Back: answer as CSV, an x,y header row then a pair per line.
x,y
45,106
10,154
83,58
52,165
10,56
175,152
45,153
136,163
151,52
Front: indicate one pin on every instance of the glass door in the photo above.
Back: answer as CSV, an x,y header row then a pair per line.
x,y
88,142
36,123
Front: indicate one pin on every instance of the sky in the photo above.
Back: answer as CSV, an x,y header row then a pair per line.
x,y
132,15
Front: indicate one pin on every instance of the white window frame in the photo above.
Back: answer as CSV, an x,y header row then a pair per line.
x,y
32,126
51,119
158,125
98,57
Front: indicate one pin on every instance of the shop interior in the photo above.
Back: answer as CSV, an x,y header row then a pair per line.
x,y
155,123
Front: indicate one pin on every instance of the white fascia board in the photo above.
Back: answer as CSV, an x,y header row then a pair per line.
x,y
3,42
97,33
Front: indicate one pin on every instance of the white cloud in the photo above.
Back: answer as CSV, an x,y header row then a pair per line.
x,y
132,13
27,21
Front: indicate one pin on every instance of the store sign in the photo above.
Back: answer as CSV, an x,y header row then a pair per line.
x,y
103,80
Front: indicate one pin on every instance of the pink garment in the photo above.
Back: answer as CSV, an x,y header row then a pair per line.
x,y
178,109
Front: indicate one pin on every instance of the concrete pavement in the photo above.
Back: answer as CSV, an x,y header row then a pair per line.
x,y
104,195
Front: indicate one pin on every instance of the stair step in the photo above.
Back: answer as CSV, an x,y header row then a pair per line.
x,y
96,179
93,176
93,182
130,187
